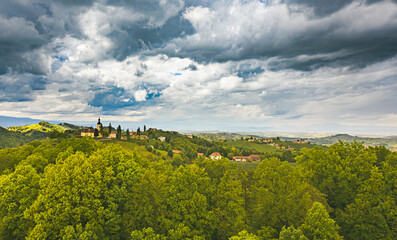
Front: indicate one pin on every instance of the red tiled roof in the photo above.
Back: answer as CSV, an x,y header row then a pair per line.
x,y
216,154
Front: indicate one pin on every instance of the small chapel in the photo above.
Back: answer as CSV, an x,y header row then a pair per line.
x,y
91,132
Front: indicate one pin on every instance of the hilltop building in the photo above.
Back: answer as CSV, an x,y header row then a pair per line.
x,y
91,132
88,132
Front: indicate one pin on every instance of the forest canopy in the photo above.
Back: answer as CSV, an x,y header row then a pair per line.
x,y
80,188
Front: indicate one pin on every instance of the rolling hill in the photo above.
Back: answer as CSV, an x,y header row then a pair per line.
x,y
15,138
43,127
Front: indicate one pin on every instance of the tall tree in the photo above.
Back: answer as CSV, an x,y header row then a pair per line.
x,y
319,225
281,195
18,191
144,128
128,134
110,128
138,131
118,132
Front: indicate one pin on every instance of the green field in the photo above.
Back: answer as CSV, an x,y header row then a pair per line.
x,y
40,127
260,148
247,166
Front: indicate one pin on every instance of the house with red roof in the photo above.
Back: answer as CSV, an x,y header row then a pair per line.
x,y
215,156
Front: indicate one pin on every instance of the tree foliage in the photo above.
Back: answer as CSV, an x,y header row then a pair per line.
x,y
80,188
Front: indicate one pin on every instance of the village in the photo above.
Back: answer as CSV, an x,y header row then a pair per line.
x,y
109,132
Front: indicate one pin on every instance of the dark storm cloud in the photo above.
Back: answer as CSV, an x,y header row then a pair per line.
x,y
349,33
326,7
20,87
18,36
133,38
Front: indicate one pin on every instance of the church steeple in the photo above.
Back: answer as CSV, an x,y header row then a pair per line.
x,y
99,124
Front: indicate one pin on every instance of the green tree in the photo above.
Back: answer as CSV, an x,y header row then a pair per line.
x,y
373,214
319,225
128,134
291,233
188,200
18,191
339,171
244,235
85,193
118,132
138,131
281,195
96,133
146,234
144,128
110,128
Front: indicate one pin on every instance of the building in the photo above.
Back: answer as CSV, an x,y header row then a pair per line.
x,y
91,132
215,156
200,154
240,158
176,151
189,136
112,135
162,139
253,157
88,132
99,125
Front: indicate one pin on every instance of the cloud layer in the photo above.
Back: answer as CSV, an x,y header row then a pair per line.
x,y
324,66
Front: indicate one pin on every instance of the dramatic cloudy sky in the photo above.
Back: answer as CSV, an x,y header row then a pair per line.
x,y
249,65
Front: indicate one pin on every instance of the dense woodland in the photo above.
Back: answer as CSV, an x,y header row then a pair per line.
x,y
79,188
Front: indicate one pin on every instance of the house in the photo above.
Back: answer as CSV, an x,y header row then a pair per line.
x,y
253,157
200,154
112,135
189,136
251,140
176,151
240,158
88,132
162,139
91,132
215,156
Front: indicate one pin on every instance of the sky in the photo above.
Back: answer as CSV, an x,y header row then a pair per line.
x,y
228,65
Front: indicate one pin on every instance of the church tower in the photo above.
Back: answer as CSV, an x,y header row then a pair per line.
x,y
99,125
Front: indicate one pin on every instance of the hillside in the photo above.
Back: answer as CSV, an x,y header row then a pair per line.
x,y
389,142
15,139
258,147
223,135
42,127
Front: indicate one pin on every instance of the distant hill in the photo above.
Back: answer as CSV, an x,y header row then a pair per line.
x,y
6,122
15,139
43,127
223,136
389,142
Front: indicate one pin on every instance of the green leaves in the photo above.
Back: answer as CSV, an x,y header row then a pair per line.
x,y
319,225
83,189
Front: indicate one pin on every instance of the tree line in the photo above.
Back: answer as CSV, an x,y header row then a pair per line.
x,y
85,189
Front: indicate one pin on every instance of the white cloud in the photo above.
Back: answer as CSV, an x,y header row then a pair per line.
x,y
140,95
